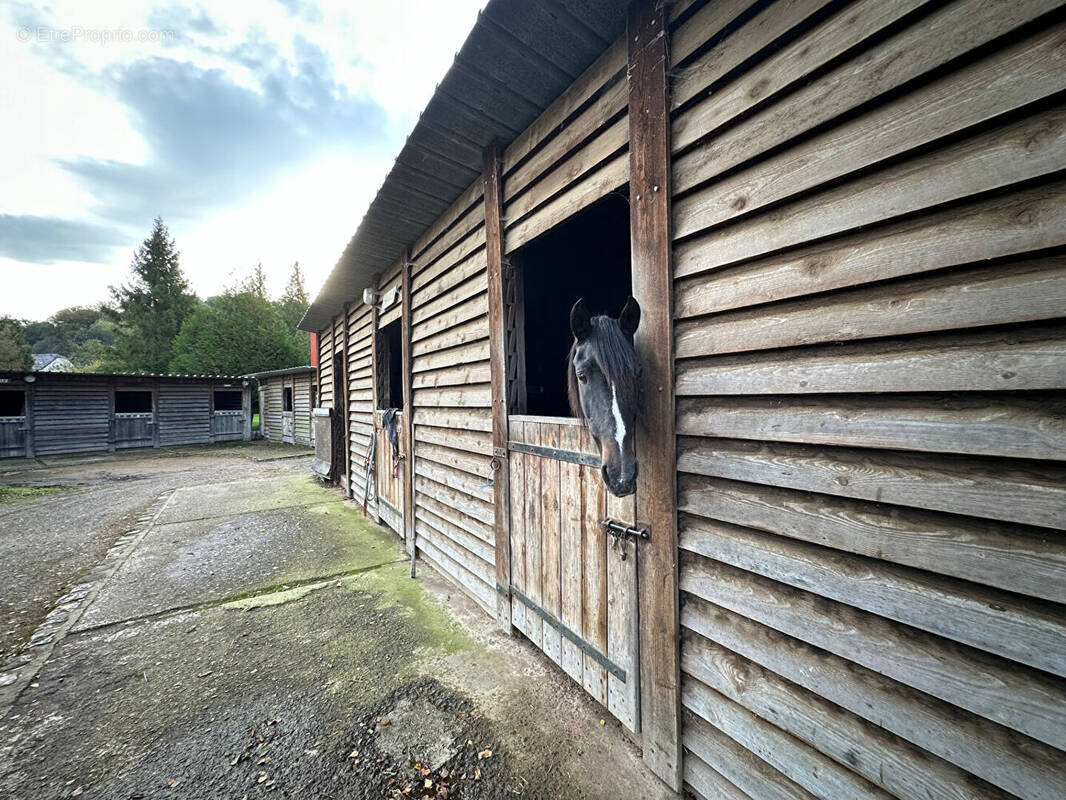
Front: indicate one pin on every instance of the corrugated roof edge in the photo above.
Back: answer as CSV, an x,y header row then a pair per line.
x,y
86,375
517,85
287,371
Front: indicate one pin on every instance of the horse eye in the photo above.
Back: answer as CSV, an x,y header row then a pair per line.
x,y
583,378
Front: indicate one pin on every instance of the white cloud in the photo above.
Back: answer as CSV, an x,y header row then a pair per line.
x,y
80,153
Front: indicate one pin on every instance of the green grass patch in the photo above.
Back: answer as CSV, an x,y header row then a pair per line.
x,y
10,494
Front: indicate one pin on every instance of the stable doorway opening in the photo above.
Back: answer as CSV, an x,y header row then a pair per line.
x,y
133,401
227,400
389,367
12,403
587,256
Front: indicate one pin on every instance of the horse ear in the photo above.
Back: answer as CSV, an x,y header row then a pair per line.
x,y
580,320
629,319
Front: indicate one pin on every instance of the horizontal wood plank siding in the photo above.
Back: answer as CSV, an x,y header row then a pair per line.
x,y
870,305
450,399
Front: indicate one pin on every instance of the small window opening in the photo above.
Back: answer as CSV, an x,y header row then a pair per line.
x,y
587,256
12,404
133,402
286,399
390,366
227,400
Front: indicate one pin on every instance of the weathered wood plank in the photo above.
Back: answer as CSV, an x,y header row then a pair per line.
x,y
571,555
738,764
477,350
790,756
468,419
992,160
517,518
702,76
981,747
1011,557
534,521
1030,493
883,758
551,575
599,183
622,622
999,295
1024,73
986,425
651,219
471,396
473,308
1022,630
466,333
461,375
453,297
472,441
594,579
462,204
1024,360
943,35
440,483
606,144
706,783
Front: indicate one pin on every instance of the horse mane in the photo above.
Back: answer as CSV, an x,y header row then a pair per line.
x,y
614,354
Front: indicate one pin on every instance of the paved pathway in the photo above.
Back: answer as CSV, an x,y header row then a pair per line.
x,y
258,637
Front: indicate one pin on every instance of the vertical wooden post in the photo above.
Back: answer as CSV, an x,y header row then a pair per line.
x,y
31,451
498,373
155,414
347,410
111,419
649,190
408,405
246,407
375,402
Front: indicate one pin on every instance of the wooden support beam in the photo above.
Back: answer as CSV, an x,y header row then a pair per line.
x,y
347,422
494,249
408,406
375,371
649,190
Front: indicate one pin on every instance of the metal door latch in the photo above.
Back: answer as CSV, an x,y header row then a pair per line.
x,y
622,534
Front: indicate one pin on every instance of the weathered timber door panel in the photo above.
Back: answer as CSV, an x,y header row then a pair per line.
x,y
389,475
134,430
288,428
572,593
12,436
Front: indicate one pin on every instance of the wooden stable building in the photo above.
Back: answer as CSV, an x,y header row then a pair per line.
x,y
286,398
846,225
47,413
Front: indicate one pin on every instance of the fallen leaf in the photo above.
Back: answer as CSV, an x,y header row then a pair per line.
x,y
429,783
484,754
262,777
171,781
354,754
477,773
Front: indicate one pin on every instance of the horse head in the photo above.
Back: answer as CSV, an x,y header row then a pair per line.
x,y
604,386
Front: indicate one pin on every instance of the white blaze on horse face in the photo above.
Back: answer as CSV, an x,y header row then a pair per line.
x,y
619,423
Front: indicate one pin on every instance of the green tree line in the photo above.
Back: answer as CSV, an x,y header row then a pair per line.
x,y
155,323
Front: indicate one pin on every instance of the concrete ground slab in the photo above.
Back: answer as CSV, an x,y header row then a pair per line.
x,y
182,564
313,689
227,498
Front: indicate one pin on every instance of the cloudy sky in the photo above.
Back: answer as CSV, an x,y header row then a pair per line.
x,y
256,138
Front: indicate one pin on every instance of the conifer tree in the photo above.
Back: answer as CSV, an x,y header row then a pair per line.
x,y
151,308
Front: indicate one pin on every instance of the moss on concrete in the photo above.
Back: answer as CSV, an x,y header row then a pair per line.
x,y
11,494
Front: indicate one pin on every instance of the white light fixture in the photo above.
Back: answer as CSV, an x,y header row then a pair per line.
x,y
370,297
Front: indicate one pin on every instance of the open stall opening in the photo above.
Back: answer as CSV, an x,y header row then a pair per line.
x,y
227,400
390,366
587,256
12,404
133,401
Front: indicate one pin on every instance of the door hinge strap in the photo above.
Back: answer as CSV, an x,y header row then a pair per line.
x,y
582,644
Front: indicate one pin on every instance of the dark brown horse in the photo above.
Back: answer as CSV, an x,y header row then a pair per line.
x,y
604,386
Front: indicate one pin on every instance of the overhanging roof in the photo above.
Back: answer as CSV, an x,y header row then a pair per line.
x,y
270,373
519,57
